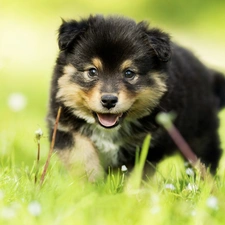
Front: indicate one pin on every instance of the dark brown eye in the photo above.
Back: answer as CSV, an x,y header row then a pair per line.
x,y
129,74
92,72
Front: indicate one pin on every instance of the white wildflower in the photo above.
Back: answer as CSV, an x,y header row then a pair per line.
x,y
38,133
34,208
192,187
170,187
190,172
193,213
155,209
212,202
155,199
154,202
123,168
164,119
8,213
17,102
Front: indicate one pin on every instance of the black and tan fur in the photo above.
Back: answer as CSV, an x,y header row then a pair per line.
x,y
112,77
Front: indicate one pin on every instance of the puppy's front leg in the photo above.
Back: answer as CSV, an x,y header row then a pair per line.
x,y
79,155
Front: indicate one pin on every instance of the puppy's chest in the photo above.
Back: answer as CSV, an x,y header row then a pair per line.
x,y
107,144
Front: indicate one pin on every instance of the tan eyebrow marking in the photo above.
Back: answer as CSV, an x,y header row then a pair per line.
x,y
97,63
69,70
126,64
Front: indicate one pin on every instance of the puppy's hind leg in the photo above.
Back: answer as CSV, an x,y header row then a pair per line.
x,y
212,156
209,151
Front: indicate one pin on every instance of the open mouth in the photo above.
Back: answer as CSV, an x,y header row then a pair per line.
x,y
108,120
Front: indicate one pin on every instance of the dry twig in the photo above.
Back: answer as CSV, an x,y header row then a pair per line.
x,y
51,147
165,120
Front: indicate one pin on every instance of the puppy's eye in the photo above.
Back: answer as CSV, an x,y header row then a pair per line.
x,y
129,74
92,72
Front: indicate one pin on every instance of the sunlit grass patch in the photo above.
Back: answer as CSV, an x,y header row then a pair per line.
x,y
65,199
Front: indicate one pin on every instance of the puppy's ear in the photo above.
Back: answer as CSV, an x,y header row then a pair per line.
x,y
160,42
69,32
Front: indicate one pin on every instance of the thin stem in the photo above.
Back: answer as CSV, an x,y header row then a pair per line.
x,y
182,145
38,160
165,120
51,147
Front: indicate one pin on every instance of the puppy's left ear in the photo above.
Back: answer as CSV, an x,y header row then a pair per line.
x,y
69,32
160,42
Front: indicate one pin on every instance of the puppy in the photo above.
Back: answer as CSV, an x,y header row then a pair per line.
x,y
111,78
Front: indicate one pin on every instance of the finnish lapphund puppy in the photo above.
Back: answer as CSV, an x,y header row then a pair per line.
x,y
111,78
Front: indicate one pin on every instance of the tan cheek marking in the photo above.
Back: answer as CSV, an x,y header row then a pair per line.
x,y
126,98
148,98
93,98
73,97
160,82
82,159
97,63
145,101
69,93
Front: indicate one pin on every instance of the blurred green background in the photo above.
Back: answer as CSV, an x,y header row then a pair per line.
x,y
28,48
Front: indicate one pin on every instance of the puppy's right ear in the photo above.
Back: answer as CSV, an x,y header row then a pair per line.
x,y
69,32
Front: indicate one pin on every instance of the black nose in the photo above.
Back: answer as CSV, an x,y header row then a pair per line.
x,y
109,101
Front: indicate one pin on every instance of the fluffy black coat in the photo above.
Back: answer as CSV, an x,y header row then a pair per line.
x,y
183,85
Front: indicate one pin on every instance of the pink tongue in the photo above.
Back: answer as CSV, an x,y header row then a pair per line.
x,y
108,120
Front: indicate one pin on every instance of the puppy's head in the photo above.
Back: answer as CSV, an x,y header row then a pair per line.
x,y
112,69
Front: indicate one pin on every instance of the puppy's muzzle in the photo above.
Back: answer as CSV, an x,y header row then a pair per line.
x,y
109,101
